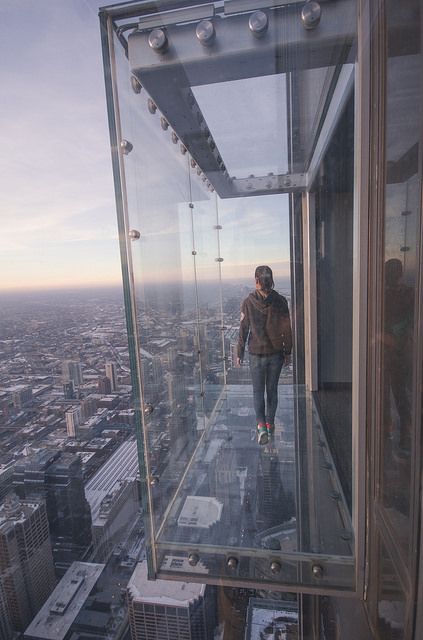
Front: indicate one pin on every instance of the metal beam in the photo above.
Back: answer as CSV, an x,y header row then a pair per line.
x,y
235,54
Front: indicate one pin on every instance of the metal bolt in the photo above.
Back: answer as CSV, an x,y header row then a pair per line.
x,y
193,559
218,259
126,146
154,480
157,40
194,253
136,85
183,149
193,163
275,567
152,107
134,234
164,124
205,32
311,14
232,563
317,571
258,23
174,138
148,409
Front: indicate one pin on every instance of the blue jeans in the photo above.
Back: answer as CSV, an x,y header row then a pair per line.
x,y
265,372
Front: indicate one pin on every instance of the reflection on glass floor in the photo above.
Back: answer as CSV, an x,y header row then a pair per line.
x,y
283,496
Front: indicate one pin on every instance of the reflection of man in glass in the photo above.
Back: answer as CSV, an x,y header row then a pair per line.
x,y
266,328
397,338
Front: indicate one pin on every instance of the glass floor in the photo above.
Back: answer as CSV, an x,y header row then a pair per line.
x,y
279,503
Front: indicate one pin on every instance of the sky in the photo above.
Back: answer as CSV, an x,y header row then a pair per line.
x,y
57,210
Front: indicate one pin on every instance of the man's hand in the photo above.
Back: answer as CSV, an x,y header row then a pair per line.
x,y
238,362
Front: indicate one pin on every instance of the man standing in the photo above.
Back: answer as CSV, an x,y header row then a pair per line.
x,y
266,328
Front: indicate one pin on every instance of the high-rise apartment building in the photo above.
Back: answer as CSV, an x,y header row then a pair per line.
x,y
6,630
163,610
57,477
26,562
104,385
73,417
72,370
111,373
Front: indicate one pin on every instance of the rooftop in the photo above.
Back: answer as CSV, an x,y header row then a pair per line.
x,y
54,619
163,592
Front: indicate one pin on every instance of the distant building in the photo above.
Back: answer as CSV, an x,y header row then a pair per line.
x,y
57,477
117,513
26,562
54,620
88,407
6,630
73,420
270,619
166,610
21,396
69,390
112,375
104,386
72,370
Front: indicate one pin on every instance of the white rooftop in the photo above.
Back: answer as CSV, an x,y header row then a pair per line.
x,y
164,592
200,511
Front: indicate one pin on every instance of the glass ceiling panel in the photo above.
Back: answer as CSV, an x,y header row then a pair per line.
x,y
248,121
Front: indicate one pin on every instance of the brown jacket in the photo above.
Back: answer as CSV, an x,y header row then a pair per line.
x,y
265,325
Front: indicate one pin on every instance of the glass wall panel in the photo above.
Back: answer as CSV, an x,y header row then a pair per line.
x,y
334,275
401,251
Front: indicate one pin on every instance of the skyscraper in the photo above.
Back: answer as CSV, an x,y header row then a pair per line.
x,y
72,370
26,562
57,477
104,386
111,374
160,610
73,420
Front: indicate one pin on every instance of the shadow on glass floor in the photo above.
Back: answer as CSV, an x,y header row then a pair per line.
x,y
282,500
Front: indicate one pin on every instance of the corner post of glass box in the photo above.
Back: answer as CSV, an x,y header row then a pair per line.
x,y
112,100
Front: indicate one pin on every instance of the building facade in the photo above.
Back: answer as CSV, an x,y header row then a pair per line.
x,y
57,478
165,611
26,561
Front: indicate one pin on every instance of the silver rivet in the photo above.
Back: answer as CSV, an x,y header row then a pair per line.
x,y
152,107
148,408
205,32
193,252
198,171
193,559
191,205
157,39
218,259
164,124
134,234
193,163
232,563
136,85
258,23
183,149
174,138
317,571
275,567
311,14
154,480
126,146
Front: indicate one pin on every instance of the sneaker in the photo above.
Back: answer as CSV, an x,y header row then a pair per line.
x,y
270,428
262,436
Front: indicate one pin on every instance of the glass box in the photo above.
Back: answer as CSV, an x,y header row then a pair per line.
x,y
234,133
